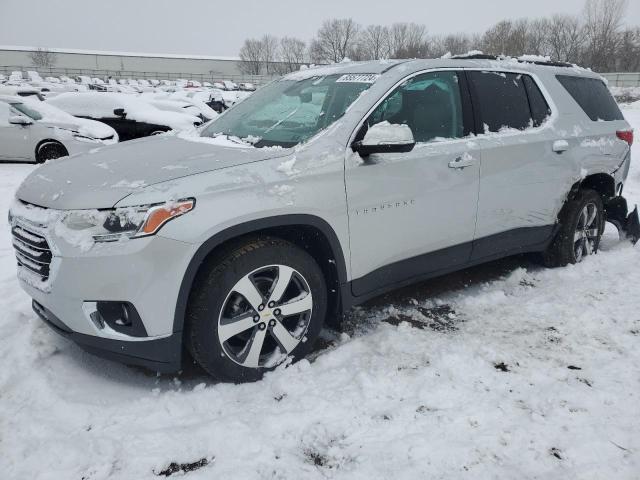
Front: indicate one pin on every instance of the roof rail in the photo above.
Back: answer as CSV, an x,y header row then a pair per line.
x,y
483,56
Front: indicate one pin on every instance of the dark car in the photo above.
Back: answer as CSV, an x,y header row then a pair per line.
x,y
126,114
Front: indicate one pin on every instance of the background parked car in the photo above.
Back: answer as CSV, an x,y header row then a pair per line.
x,y
32,131
128,115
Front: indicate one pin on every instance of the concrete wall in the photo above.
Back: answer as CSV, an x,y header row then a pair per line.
x,y
101,64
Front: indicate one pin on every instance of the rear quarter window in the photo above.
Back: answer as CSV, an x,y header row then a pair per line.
x,y
593,96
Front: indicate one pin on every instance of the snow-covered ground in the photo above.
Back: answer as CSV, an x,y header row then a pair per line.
x,y
506,370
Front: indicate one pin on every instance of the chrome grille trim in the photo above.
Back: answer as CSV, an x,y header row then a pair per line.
x,y
32,250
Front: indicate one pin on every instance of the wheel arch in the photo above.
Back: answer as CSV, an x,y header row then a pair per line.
x,y
44,142
311,233
603,183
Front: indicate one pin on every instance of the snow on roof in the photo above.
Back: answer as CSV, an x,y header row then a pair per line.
x,y
119,54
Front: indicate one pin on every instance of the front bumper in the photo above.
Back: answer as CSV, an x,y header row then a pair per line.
x,y
145,272
161,355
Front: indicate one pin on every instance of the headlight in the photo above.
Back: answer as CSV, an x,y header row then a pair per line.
x,y
84,138
122,223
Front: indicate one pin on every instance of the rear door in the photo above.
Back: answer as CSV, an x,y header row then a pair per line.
x,y
414,213
522,180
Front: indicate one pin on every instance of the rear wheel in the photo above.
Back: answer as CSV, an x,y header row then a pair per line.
x,y
581,228
50,151
254,306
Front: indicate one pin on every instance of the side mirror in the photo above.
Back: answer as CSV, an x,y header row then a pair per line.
x,y
20,120
385,137
119,112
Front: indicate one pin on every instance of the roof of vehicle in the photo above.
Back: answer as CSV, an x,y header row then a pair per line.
x,y
524,63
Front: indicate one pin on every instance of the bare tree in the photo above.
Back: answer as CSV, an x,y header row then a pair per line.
x,y
629,51
497,39
407,40
537,39
374,43
251,56
292,54
270,45
595,39
43,58
565,38
333,42
603,23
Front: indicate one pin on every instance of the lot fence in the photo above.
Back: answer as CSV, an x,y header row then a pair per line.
x,y
622,79
257,80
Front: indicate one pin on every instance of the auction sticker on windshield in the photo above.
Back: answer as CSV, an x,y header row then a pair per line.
x,y
358,78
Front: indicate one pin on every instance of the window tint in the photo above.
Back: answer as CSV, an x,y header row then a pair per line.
x,y
593,97
539,107
430,104
503,100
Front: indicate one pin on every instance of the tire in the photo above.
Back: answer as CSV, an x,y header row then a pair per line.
x,y
50,151
222,325
581,228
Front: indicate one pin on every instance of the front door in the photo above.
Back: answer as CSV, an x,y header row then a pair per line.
x,y
14,139
414,213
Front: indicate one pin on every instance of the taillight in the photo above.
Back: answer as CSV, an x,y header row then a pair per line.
x,y
626,135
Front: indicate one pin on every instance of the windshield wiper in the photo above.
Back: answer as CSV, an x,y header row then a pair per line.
x,y
280,121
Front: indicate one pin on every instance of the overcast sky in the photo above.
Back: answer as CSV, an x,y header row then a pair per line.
x,y
209,27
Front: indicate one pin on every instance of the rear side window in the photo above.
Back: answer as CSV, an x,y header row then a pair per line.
x,y
593,97
503,100
539,107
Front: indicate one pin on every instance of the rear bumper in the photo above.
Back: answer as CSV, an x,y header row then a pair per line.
x,y
160,355
628,224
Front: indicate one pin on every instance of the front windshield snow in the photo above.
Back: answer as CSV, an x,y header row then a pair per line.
x,y
287,112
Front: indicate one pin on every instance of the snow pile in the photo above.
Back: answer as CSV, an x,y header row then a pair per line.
x,y
102,105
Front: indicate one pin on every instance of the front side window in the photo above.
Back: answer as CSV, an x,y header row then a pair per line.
x,y
430,104
288,112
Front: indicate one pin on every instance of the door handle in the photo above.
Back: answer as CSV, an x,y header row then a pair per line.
x,y
463,161
560,146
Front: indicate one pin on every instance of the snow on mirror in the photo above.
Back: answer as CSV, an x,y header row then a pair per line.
x,y
385,133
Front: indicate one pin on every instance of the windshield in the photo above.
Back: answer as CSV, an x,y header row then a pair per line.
x,y
29,112
287,112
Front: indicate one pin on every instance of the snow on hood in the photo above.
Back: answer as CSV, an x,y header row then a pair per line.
x,y
102,105
102,177
56,117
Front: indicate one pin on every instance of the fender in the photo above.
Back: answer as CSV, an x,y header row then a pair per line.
x,y
246,228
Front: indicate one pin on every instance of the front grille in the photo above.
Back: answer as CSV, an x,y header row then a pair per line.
x,y
32,251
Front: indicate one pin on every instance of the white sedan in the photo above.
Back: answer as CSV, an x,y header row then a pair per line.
x,y
33,131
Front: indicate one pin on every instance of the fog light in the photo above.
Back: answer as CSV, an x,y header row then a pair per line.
x,y
122,317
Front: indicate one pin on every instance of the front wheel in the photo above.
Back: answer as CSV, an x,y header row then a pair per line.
x,y
581,228
253,307
50,151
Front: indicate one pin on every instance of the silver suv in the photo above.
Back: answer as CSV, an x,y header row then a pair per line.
x,y
318,192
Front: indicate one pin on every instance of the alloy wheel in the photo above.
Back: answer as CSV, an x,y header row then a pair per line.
x,y
585,239
265,316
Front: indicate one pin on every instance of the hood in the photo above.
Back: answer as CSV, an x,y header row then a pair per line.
x,y
103,176
88,128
